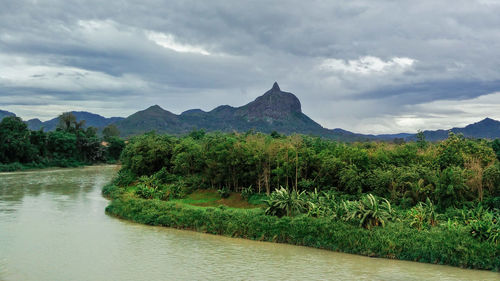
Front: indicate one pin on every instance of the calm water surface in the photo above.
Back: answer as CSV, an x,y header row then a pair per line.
x,y
53,227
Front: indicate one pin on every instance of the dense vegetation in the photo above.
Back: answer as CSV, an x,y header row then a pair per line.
x,y
450,173
431,202
70,145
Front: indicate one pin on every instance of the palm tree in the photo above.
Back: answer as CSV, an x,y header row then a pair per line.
x,y
79,125
66,121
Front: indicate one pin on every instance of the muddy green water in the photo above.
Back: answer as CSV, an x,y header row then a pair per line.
x,y
53,227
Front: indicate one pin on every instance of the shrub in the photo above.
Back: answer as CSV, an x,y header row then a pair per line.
x,y
246,193
124,178
284,202
423,215
370,212
224,192
486,227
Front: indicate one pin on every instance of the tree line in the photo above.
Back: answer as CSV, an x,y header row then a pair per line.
x,y
450,173
71,144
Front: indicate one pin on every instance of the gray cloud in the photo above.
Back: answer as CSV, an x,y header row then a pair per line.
x,y
348,62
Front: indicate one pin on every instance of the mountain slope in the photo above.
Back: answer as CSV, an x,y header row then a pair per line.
x,y
4,114
486,128
91,120
152,118
274,111
34,124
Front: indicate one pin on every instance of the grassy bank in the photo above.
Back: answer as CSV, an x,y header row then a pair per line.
x,y
14,167
448,245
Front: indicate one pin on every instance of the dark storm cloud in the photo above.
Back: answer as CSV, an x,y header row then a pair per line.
x,y
348,61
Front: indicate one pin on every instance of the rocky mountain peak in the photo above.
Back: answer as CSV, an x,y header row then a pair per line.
x,y
272,105
276,87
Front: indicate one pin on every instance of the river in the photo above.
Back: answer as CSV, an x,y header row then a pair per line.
x,y
53,227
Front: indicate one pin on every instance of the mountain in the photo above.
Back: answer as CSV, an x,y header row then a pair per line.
x,y
275,110
486,128
152,118
4,114
34,124
91,120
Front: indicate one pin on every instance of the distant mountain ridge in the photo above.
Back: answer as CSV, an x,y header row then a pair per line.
x,y
4,114
487,128
275,110
91,120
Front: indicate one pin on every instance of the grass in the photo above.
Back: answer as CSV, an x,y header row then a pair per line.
x,y
211,198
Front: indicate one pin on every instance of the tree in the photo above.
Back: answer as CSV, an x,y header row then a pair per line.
x,y
114,148
67,121
496,148
421,142
110,131
15,143
149,153
61,145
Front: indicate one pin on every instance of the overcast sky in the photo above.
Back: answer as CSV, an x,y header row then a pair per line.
x,y
365,66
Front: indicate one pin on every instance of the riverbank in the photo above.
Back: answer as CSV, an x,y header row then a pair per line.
x,y
16,167
447,245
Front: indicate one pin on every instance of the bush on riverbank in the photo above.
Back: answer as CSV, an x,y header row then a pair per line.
x,y
452,245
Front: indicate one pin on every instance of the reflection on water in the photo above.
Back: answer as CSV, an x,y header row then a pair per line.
x,y
53,227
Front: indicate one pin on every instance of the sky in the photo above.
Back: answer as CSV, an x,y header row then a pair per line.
x,y
364,66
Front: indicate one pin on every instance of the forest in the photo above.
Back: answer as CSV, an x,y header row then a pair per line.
x,y
71,144
302,186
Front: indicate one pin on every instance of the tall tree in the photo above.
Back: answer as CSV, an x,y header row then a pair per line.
x,y
15,144
67,121
110,131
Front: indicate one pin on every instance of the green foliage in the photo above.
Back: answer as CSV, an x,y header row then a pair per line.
x,y
224,192
11,167
67,122
491,179
496,147
15,143
285,202
370,212
246,193
110,131
69,146
423,215
147,154
451,189
450,173
486,227
421,143
258,199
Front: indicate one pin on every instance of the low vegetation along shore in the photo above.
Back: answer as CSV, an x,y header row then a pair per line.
x,y
428,202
